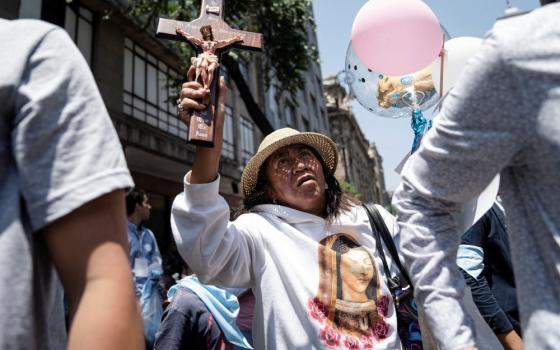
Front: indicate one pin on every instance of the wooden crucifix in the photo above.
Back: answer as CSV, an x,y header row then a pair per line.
x,y
210,36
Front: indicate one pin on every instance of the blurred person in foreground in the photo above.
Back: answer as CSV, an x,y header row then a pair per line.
x,y
503,117
63,220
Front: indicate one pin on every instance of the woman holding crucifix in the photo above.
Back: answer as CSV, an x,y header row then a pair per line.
x,y
304,248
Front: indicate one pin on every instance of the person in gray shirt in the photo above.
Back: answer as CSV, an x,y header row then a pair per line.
x,y
62,181
503,116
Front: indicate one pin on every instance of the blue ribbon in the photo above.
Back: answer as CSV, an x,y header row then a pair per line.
x,y
419,126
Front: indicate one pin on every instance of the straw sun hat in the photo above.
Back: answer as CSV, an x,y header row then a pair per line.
x,y
324,146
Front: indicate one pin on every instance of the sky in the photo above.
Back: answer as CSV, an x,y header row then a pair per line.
x,y
334,18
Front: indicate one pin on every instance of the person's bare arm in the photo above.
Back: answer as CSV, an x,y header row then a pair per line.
x,y
189,37
224,43
89,249
511,340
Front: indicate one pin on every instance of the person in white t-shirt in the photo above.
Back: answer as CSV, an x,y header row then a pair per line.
x,y
63,178
306,251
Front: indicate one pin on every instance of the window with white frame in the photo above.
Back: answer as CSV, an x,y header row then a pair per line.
x,y
244,69
247,139
314,107
316,111
78,22
224,72
290,114
305,124
228,147
319,84
273,105
148,90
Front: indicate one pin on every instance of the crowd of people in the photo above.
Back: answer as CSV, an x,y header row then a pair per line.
x,y
301,265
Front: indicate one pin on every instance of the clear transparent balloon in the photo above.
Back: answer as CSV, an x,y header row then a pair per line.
x,y
386,96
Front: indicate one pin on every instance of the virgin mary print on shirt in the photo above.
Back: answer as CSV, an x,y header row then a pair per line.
x,y
349,304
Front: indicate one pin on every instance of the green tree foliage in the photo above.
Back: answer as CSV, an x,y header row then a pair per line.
x,y
350,189
283,24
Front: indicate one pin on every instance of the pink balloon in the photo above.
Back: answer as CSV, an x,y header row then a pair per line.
x,y
396,37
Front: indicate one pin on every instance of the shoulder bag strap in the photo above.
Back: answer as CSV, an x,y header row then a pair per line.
x,y
380,229
375,233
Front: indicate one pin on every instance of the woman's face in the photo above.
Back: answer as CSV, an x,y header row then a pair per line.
x,y
296,179
356,270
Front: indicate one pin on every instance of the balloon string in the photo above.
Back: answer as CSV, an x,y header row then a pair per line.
x,y
441,67
419,126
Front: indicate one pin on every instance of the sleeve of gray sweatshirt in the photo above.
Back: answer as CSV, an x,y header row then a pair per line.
x,y
480,130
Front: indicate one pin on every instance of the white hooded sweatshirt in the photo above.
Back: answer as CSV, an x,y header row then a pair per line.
x,y
317,285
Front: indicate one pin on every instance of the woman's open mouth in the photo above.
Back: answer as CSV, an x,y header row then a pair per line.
x,y
304,178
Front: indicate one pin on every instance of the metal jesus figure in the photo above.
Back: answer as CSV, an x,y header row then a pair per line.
x,y
206,62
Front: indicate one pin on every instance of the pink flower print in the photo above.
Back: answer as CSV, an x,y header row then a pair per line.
x,y
330,336
383,305
367,342
381,329
317,309
351,343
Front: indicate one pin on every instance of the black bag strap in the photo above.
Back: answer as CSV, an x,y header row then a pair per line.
x,y
380,230
375,233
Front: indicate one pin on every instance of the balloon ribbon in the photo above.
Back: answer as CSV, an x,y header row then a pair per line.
x,y
419,126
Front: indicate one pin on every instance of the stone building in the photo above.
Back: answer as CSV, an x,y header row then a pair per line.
x,y
134,71
359,162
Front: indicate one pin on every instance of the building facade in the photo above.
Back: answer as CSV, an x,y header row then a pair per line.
x,y
135,73
360,165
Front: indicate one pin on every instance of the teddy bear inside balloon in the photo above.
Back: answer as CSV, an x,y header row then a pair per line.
x,y
392,91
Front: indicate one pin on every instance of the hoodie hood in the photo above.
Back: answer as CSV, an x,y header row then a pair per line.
x,y
313,225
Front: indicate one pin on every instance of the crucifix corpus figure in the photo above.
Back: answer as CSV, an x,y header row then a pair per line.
x,y
210,36
206,62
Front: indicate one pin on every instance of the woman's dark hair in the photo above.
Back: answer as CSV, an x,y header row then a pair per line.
x,y
206,32
336,201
